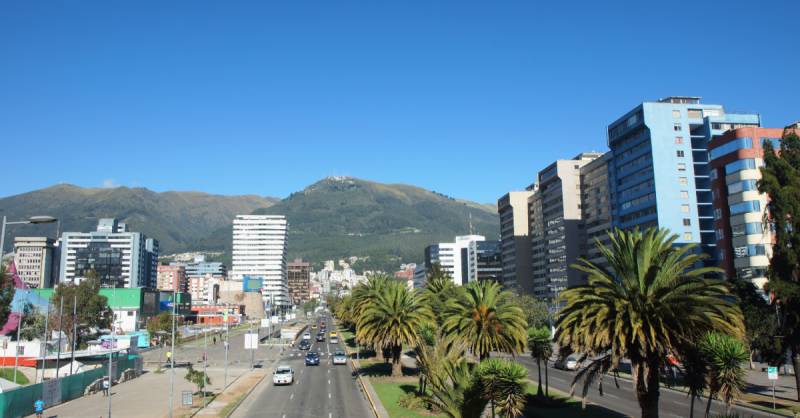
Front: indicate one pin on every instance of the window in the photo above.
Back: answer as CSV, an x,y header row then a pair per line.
x,y
687,236
739,165
676,127
750,250
729,147
678,140
775,142
684,194
676,114
742,186
679,153
717,213
747,229
681,166
687,222
683,181
746,207
694,114
720,234
685,208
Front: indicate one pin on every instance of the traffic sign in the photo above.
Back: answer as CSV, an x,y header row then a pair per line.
x,y
772,373
251,341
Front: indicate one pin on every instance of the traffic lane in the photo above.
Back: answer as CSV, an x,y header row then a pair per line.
x,y
623,399
349,399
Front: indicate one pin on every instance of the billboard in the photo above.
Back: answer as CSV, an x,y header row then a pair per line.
x,y
252,283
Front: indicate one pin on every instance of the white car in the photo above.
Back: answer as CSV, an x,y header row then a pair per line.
x,y
307,336
339,357
283,375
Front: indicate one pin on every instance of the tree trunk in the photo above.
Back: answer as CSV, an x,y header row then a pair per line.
x,y
691,406
796,366
397,365
539,391
647,387
546,381
708,405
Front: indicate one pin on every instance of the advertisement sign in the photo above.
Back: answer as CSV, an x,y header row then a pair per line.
x,y
252,283
265,323
772,373
251,341
51,392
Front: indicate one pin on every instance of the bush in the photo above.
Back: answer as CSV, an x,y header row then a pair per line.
x,y
412,401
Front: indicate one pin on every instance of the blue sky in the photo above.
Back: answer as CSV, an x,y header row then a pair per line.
x,y
466,98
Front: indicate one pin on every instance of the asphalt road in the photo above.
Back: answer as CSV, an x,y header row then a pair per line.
x,y
623,400
319,391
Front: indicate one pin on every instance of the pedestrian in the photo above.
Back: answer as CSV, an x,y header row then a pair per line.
x,y
169,356
215,340
105,387
38,407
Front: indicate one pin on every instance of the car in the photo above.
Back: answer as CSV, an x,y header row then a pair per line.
x,y
312,359
339,357
571,362
313,326
321,337
283,375
307,336
334,340
304,345
322,324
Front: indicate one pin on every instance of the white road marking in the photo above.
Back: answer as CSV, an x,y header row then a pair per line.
x,y
330,414
284,416
329,395
291,396
329,381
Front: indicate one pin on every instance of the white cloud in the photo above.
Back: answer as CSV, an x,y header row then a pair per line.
x,y
109,184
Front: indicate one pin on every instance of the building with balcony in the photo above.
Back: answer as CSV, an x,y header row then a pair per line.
x,y
659,172
595,209
35,259
259,252
172,278
744,240
299,278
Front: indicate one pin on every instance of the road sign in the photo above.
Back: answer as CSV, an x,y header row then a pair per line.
x,y
772,373
186,397
251,341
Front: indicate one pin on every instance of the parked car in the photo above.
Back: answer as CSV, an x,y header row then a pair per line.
x,y
283,375
339,357
312,359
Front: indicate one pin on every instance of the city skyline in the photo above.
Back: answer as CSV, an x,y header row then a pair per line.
x,y
343,86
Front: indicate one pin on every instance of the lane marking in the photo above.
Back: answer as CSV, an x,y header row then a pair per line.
x,y
291,397
329,395
329,381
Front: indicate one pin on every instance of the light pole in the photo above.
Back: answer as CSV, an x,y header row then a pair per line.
x,y
31,220
19,328
111,351
172,357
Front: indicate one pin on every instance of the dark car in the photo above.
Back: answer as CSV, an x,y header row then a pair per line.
x,y
320,337
312,359
304,345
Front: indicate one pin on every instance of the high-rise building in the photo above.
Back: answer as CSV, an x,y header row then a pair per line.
x,y
259,251
201,267
659,172
489,260
172,278
515,241
595,208
299,276
35,260
744,243
458,259
118,257
557,236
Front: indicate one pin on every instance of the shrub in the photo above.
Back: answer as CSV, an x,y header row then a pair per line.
x,y
412,401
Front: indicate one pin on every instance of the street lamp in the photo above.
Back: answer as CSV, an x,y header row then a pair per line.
x,y
31,220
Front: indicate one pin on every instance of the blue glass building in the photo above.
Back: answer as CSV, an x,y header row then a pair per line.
x,y
659,172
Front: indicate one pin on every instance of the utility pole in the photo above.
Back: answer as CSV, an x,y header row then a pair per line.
x,y
60,333
172,357
74,329
225,317
44,351
16,347
111,351
205,360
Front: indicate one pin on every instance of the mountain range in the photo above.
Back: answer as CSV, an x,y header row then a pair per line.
x,y
382,224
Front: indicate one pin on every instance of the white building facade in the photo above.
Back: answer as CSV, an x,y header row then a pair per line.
x,y
34,259
259,252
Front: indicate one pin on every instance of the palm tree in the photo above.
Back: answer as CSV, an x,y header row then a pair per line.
x,y
539,343
649,302
453,388
485,320
391,320
502,382
439,289
725,356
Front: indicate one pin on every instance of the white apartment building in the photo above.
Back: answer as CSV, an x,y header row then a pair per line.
x,y
458,259
515,241
259,251
34,259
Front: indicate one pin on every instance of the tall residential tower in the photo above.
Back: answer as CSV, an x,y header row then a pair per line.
x,y
259,252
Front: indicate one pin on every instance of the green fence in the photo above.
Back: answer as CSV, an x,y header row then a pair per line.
x,y
19,402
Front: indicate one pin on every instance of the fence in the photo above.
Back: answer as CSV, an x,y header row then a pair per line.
x,y
19,402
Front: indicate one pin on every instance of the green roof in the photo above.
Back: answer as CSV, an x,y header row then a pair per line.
x,y
119,298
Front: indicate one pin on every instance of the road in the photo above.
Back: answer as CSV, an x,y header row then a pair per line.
x,y
671,404
319,391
